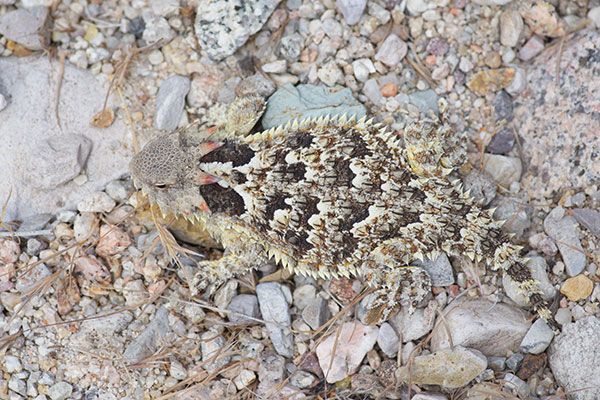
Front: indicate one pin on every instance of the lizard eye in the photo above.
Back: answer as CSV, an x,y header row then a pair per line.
x,y
161,186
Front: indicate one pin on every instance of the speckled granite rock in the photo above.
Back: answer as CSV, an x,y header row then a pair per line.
x,y
560,123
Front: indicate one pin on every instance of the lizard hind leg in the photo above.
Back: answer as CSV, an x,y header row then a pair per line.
x,y
396,286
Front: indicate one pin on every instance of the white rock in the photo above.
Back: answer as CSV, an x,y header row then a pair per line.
x,y
504,170
538,338
362,68
98,202
392,50
511,26
594,16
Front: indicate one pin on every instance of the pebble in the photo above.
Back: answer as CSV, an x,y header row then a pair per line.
x,y
225,294
214,355
330,73
389,90
438,46
26,26
511,381
492,59
275,310
480,186
416,7
503,106
563,316
256,84
425,100
372,91
9,251
594,16
517,214
271,368
153,335
3,102
531,48
518,82
243,379
12,364
177,370
156,28
488,81
588,218
538,338
414,325
511,26
170,101
388,340
341,353
304,101
245,304
275,67
392,50
539,271
563,229
290,47
85,225
503,170
17,385
57,160
316,313
479,323
362,68
573,358
60,391
352,10
513,363
502,142
543,20
117,190
113,240
577,288
32,277
448,368
98,202
440,270
303,295
165,8
222,27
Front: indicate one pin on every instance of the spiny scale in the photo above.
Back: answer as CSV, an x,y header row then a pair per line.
x,y
328,197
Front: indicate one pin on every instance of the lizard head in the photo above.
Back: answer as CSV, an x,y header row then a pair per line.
x,y
169,174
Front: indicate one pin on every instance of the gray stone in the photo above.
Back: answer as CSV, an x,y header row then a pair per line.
x,y
495,329
573,358
448,368
35,222
107,326
56,160
330,73
117,190
290,47
531,48
511,381
304,101
503,106
26,81
372,91
170,101
214,355
17,385
511,26
32,277
412,326
563,229
352,10
304,295
60,391
12,364
513,363
156,28
480,186
392,50
271,368
426,101
146,343
388,340
503,170
517,214
223,26
256,84
502,142
519,82
316,313
416,7
538,338
27,26
439,270
274,308
588,218
245,304
98,202
538,267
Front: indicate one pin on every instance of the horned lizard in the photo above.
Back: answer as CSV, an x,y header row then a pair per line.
x,y
327,197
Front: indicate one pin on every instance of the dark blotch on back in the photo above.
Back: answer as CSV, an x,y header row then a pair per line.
x,y
274,204
300,140
236,152
222,200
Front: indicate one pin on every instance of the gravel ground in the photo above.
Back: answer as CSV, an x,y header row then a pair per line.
x,y
93,305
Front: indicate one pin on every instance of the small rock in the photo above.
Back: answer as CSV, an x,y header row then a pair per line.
x,y
588,218
156,28
516,213
426,101
495,329
117,190
392,50
448,368
563,316
412,326
112,241
9,251
577,288
316,313
170,102
388,341
145,344
330,73
490,80
352,10
57,160
98,202
274,308
543,19
32,277
362,68
304,295
291,46
594,16
538,338
60,391
243,379
303,379
573,358
503,170
271,369
256,84
27,26
304,101
225,294
513,363
563,229
416,7
492,59
538,268
389,90
371,90
531,48
222,27
35,222
165,8
245,304
85,226
12,364
439,270
480,186
177,370
347,349
511,26
503,106
502,142
17,385
518,82
531,364
214,355
515,383
438,46
275,67
497,363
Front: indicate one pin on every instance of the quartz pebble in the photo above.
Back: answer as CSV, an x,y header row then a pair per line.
x,y
511,26
392,50
26,26
531,48
274,308
563,229
352,10
577,288
170,102
538,338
